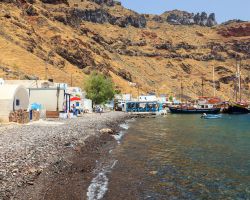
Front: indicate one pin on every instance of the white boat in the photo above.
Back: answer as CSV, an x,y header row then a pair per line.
x,y
210,116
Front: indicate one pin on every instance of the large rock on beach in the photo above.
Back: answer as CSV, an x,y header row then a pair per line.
x,y
107,131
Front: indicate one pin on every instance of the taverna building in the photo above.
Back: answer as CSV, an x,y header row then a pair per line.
x,y
12,98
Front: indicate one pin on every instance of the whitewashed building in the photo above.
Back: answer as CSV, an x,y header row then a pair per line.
x,y
1,81
12,98
148,97
51,99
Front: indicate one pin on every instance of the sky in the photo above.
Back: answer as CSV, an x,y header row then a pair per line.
x,y
223,9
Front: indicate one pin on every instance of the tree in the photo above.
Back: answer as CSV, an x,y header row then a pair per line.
x,y
99,88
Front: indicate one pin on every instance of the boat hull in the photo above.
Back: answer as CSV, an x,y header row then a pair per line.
x,y
237,109
194,111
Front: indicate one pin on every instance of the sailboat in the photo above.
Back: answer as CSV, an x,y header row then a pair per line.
x,y
201,106
238,107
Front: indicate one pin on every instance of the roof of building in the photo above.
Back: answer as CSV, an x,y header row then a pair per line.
x,y
28,83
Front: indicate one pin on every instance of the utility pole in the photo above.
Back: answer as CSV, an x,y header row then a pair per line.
x,y
181,95
138,91
46,70
202,86
71,80
46,65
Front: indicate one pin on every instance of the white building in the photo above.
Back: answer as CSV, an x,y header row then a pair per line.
x,y
12,98
76,92
148,97
51,99
1,81
163,98
87,105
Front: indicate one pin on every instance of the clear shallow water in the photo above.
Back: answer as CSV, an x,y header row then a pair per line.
x,y
183,157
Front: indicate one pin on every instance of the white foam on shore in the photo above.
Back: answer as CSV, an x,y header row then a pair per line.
x,y
99,184
124,126
119,136
98,187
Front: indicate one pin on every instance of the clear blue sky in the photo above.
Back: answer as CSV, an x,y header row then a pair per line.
x,y
223,9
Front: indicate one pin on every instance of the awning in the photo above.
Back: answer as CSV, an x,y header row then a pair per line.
x,y
75,99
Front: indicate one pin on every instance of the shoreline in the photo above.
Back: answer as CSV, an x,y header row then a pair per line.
x,y
58,160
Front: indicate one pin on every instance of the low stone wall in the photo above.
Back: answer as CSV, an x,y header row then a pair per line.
x,y
23,116
35,115
19,116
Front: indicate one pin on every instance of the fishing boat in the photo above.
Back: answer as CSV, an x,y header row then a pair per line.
x,y
208,105
198,109
238,107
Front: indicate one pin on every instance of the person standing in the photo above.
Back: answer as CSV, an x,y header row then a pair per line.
x,y
74,110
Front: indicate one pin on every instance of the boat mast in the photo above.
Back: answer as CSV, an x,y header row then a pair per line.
x,y
238,76
240,79
213,81
235,83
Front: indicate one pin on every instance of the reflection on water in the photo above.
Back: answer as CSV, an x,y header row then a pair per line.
x,y
184,157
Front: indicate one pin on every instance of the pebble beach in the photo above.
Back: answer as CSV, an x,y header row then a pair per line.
x,y
34,154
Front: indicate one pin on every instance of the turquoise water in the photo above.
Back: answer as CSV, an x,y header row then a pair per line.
x,y
183,157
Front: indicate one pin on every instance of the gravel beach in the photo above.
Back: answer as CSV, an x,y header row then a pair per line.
x,y
44,159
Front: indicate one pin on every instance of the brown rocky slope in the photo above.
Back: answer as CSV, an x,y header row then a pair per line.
x,y
79,36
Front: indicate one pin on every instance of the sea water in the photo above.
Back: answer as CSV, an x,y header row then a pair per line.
x,y
183,157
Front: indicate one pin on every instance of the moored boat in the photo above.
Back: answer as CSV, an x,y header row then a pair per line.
x,y
210,116
179,110
202,105
237,108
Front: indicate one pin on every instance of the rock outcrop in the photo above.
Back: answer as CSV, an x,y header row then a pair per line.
x,y
169,46
55,1
229,22
238,29
104,2
177,17
76,16
73,51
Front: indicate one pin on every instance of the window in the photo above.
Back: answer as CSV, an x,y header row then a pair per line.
x,y
17,102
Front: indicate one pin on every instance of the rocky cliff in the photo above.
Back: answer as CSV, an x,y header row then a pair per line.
x,y
65,38
177,17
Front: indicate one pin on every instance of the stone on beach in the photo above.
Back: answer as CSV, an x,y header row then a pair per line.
x,y
107,131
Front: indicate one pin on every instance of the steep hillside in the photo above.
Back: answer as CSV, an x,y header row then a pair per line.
x,y
75,37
